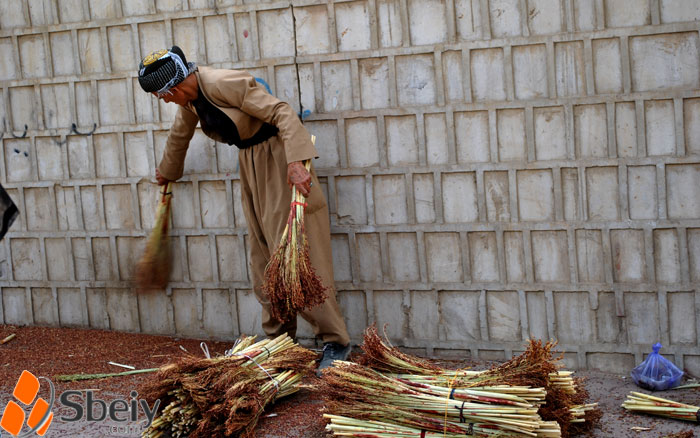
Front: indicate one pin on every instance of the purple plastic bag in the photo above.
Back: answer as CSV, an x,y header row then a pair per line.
x,y
656,373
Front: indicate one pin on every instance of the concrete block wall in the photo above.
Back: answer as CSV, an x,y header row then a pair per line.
x,y
495,169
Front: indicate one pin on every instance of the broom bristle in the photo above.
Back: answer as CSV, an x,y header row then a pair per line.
x,y
153,270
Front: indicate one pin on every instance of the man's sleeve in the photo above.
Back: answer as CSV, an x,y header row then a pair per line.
x,y
242,91
172,164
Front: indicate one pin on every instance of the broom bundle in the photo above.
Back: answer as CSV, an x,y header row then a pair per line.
x,y
224,396
291,283
648,404
153,270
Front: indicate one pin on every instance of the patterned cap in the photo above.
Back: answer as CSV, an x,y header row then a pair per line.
x,y
163,69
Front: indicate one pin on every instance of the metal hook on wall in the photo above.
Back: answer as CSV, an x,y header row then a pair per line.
x,y
74,129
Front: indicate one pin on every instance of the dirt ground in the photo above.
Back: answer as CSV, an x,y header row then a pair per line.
x,y
51,351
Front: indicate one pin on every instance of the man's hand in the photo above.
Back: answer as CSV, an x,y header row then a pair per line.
x,y
298,176
161,179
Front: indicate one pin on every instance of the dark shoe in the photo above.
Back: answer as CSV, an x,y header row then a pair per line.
x,y
332,351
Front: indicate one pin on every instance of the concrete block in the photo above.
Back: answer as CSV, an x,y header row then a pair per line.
x,y
575,321
664,61
424,198
214,206
602,190
459,316
544,16
362,142
694,253
631,13
135,7
81,261
452,68
342,265
71,11
183,31
84,98
681,317
550,133
352,26
79,157
683,191
91,214
183,209
152,37
423,315
415,80
154,314
55,100
403,257
337,89
569,69
590,130
275,28
390,313
511,135
119,213
312,30
18,160
70,307
436,139
351,200
103,9
497,196
459,197
121,49
642,317
483,257
444,257
244,38
674,11
503,316
169,5
129,252
102,257
535,195
692,364
122,308
550,254
18,225
619,363
24,108
185,304
589,251
505,18
44,307
218,313
492,355
353,307
629,255
227,158
199,257
113,104
37,201
609,324
401,140
667,257
626,129
326,133
306,87
62,54
537,315
231,259
92,59
12,14
374,77
67,208
249,313
14,303
177,257
217,39
32,54
286,87
427,21
239,216
57,259
607,66
488,74
691,125
8,70
472,136
530,71
468,19
660,127
107,153
137,152
97,308
370,258
389,23
515,256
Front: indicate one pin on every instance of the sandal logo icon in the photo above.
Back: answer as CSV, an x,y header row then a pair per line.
x,y
40,417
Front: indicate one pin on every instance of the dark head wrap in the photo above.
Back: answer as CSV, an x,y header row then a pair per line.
x,y
163,69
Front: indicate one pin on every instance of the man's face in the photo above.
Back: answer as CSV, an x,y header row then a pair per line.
x,y
175,95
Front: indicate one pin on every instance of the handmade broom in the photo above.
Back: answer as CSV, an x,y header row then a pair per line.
x,y
153,270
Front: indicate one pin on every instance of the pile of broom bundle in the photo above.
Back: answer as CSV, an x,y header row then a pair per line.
x,y
291,283
649,404
224,396
556,396
153,270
